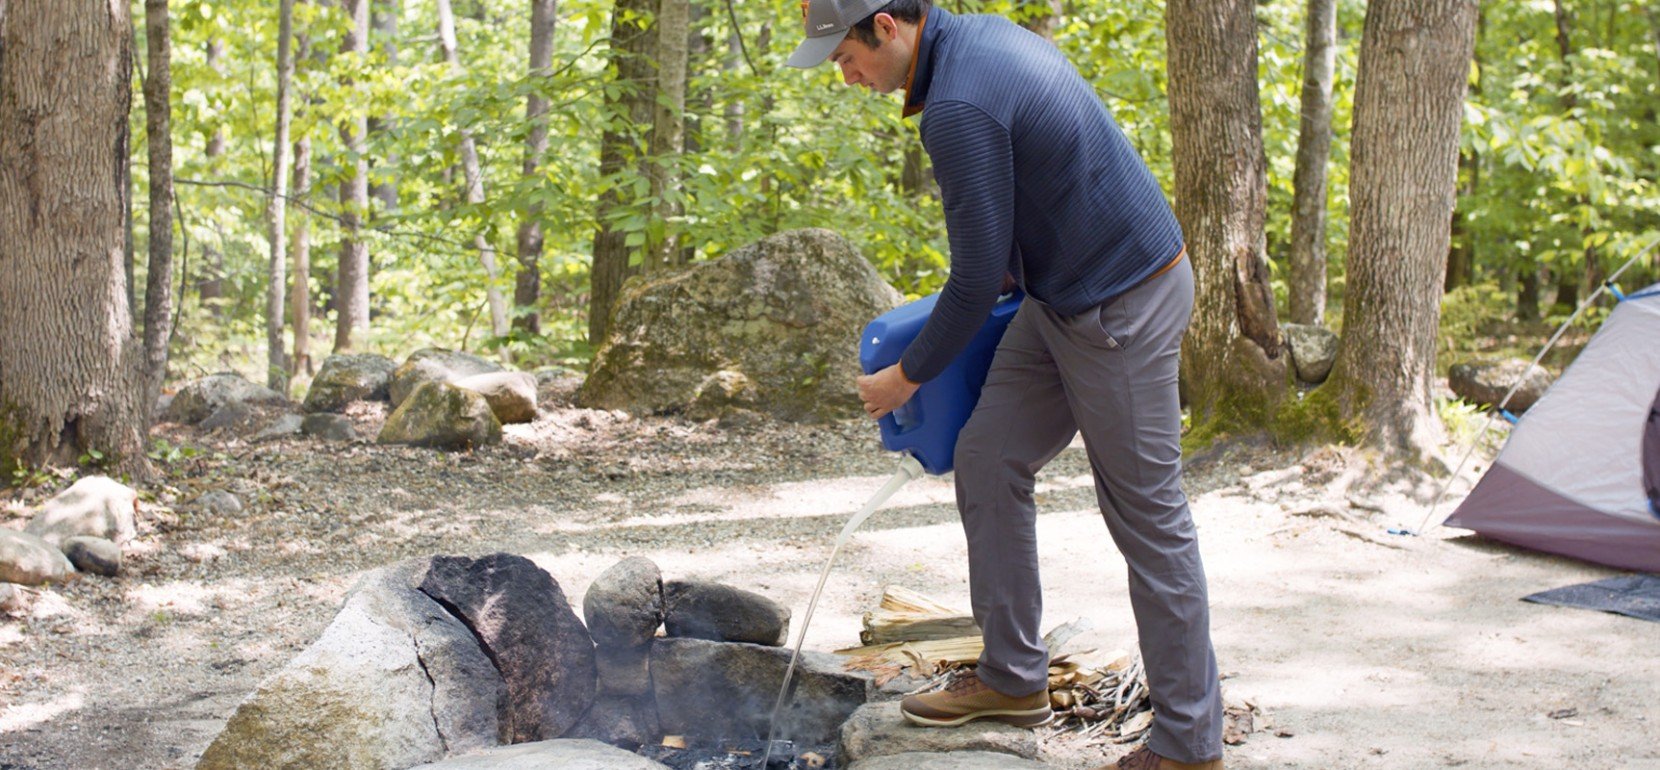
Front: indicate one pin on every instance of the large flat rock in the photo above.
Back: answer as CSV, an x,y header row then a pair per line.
x,y
545,755
727,690
954,760
878,729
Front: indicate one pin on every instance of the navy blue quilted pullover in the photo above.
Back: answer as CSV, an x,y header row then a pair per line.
x,y
1036,178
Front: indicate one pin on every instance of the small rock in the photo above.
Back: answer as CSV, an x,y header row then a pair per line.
x,y
202,553
31,561
329,427
347,378
1313,351
96,506
952,760
708,610
562,754
14,599
1487,383
721,392
878,729
282,427
442,416
93,554
228,417
217,502
512,395
624,605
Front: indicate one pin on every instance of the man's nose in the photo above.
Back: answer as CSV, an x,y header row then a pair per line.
x,y
847,75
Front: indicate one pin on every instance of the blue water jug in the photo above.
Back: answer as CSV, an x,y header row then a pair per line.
x,y
928,424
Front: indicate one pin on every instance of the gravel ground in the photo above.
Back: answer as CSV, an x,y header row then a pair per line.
x,y
1361,648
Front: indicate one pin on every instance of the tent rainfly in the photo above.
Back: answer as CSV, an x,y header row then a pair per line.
x,y
1580,474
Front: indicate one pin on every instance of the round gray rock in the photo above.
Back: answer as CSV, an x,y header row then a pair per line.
x,y
93,554
878,729
347,378
440,364
785,312
562,754
954,760
197,399
218,502
95,506
1487,383
1313,351
442,416
512,395
329,427
282,427
624,605
31,561
708,610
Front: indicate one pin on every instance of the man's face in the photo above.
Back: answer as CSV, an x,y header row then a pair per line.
x,y
881,69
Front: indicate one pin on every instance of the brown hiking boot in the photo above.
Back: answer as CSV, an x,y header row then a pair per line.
x,y
1143,758
968,699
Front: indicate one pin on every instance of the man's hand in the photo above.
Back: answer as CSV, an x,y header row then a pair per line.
x,y
885,391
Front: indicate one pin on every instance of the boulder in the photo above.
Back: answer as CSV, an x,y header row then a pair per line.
x,y
430,364
708,610
624,605
878,729
347,378
562,754
394,680
727,690
785,312
282,427
520,616
512,395
196,400
96,506
1313,350
629,722
93,554
217,502
1486,383
231,416
329,427
31,561
442,416
721,393
951,760
623,670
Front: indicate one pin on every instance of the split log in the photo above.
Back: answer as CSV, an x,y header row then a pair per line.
x,y
907,616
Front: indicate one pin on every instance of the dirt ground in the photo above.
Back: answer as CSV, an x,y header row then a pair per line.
x,y
1364,649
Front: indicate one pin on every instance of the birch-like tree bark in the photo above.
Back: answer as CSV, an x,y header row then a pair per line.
x,y
276,277
1233,367
1409,105
351,293
158,121
1308,218
475,182
668,130
71,368
527,289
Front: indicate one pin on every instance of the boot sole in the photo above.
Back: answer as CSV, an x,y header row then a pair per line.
x,y
1020,718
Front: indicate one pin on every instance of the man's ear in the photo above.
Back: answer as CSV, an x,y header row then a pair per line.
x,y
886,24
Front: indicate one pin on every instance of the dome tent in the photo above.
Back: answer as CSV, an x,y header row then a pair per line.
x,y
1580,474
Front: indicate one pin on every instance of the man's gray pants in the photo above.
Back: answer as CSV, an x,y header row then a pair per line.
x,y
1109,372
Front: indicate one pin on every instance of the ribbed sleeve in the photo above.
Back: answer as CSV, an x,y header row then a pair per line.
x,y
973,159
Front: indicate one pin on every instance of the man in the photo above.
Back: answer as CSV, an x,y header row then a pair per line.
x,y
1042,190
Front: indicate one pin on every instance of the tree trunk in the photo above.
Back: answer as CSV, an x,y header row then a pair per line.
x,y
276,364
384,20
734,105
351,294
630,108
1308,218
527,290
1527,290
668,131
300,250
1409,102
475,184
1461,260
158,287
211,286
71,369
1232,365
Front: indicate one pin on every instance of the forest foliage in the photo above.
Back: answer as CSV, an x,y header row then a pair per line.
x,y
1558,169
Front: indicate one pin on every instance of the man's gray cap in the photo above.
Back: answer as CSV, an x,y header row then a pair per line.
x,y
827,23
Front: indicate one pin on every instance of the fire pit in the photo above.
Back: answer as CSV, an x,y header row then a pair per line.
x,y
738,754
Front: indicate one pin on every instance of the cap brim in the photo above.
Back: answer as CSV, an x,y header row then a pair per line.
x,y
814,50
